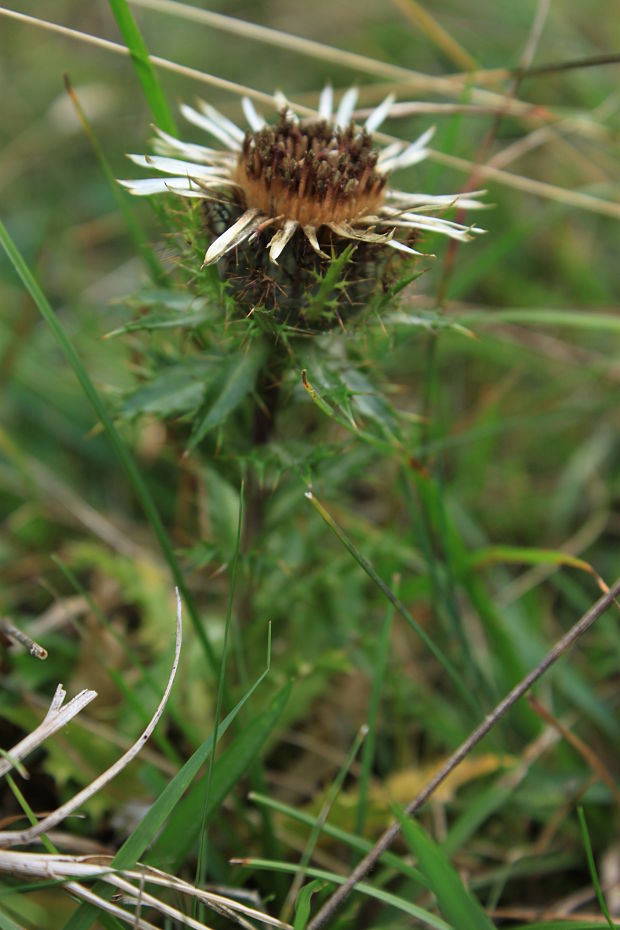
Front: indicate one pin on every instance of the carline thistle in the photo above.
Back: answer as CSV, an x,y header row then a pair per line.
x,y
281,201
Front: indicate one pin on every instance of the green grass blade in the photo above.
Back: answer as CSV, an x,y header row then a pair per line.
x,y
7,924
337,833
592,867
183,828
378,894
201,865
144,69
302,912
400,607
520,555
150,825
576,319
121,197
455,902
315,832
30,814
475,813
368,750
145,832
433,531
125,457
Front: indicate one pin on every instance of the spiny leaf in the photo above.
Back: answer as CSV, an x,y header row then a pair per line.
x,y
176,389
227,392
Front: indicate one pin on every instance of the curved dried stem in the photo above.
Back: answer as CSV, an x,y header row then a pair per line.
x,y
21,837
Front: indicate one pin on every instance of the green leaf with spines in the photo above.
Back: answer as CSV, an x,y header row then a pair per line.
x,y
175,389
227,391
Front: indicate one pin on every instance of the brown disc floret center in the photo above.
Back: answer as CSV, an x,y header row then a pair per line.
x,y
310,172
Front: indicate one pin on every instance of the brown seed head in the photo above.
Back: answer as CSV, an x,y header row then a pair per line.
x,y
310,172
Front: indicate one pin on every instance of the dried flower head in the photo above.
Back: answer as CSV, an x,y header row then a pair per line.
x,y
311,185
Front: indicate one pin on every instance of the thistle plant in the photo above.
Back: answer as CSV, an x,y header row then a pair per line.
x,y
308,237
304,228
312,186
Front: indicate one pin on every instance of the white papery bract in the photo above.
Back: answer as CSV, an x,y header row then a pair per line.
x,y
307,175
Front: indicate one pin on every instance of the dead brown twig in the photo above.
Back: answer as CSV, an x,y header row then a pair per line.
x,y
387,838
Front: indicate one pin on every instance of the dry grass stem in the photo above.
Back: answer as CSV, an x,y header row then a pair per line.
x,y
22,837
529,185
131,883
440,37
14,634
593,760
387,838
57,717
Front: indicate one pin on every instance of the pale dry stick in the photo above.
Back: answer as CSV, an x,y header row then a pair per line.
x,y
526,59
387,838
358,63
137,922
62,496
212,899
571,904
418,107
484,149
21,837
61,613
91,897
129,881
108,734
544,133
592,61
150,900
528,185
597,765
56,718
58,868
533,39
534,139
576,124
437,34
164,63
558,132
13,633
352,60
407,78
